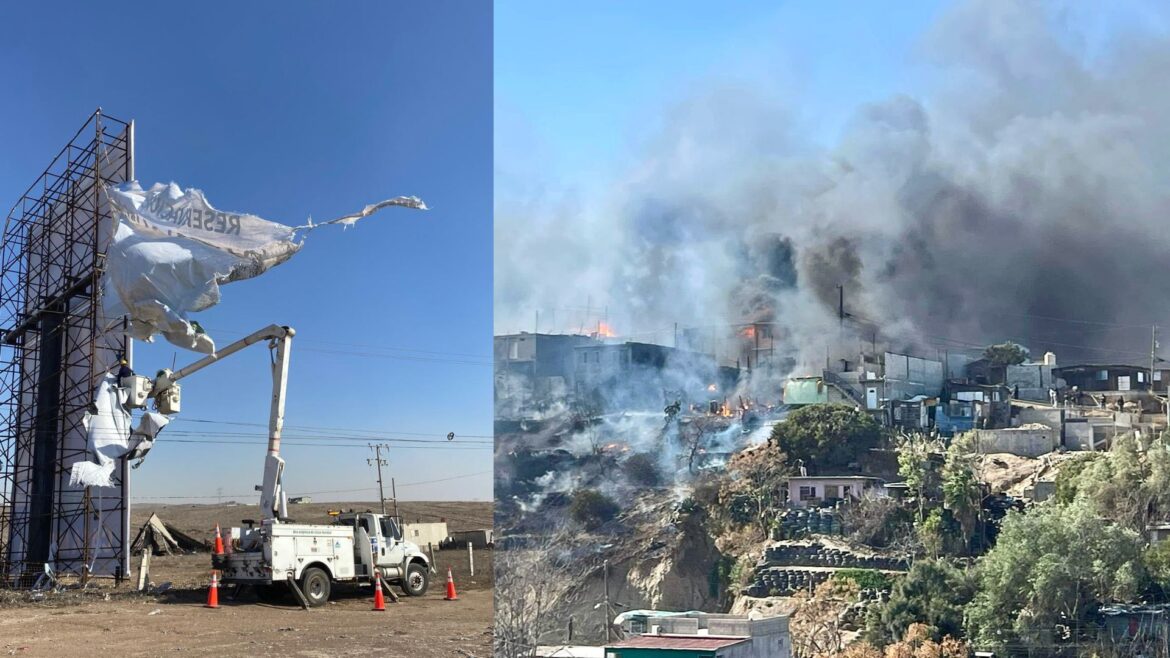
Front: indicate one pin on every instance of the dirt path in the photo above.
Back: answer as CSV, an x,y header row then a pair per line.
x,y
136,625
108,621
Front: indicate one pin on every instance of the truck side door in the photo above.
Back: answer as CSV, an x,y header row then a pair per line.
x,y
395,551
369,523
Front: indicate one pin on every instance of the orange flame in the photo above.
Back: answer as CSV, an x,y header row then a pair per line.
x,y
605,331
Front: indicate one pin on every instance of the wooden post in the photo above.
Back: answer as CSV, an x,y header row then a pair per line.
x,y
470,558
144,568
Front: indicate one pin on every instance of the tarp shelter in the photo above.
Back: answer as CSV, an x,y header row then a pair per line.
x,y
163,539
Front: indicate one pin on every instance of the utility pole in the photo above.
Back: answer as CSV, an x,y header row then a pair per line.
x,y
841,305
377,460
394,493
1153,348
605,614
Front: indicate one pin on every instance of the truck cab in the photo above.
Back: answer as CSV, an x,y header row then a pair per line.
x,y
378,543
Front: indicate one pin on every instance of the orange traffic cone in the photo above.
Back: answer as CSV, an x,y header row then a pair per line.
x,y
213,591
218,541
451,595
379,600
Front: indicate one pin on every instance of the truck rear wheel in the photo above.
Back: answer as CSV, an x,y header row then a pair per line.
x,y
315,586
416,581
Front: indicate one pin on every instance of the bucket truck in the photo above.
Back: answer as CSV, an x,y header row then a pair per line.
x,y
277,553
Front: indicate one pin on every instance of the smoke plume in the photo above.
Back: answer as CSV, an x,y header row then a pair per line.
x,y
1026,189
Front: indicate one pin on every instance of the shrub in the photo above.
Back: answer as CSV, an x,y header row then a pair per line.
x,y
591,508
642,470
865,578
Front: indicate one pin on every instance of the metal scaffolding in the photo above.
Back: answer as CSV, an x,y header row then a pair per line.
x,y
54,348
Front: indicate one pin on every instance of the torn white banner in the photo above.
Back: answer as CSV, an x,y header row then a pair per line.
x,y
172,250
110,436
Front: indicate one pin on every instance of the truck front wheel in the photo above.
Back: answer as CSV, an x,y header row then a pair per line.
x,y
315,586
416,581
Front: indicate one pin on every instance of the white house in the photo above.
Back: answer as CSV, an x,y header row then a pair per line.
x,y
812,490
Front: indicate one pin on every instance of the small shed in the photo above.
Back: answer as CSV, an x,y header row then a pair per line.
x,y
423,534
479,538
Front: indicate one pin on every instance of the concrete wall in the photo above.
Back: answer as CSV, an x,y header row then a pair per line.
x,y
769,646
1025,443
1034,380
907,376
1053,418
424,533
955,364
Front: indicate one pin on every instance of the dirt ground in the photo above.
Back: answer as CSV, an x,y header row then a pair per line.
x,y
117,621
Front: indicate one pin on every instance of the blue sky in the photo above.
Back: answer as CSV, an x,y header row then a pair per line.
x,y
583,83
287,110
579,86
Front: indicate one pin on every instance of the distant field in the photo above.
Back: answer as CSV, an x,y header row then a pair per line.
x,y
199,520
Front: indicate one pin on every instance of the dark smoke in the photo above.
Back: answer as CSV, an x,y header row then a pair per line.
x,y
1029,187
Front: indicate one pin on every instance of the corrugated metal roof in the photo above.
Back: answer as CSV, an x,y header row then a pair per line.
x,y
678,642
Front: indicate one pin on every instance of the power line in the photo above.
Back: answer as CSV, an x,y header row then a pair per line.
x,y
382,350
326,491
454,477
319,445
320,437
327,429
396,356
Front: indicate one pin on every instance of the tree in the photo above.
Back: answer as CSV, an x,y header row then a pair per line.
x,y
1157,561
816,624
932,594
1005,354
591,508
1129,484
932,532
916,643
1068,479
962,494
829,436
876,520
919,463
755,488
529,581
1051,568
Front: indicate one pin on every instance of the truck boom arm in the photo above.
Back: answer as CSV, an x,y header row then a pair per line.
x,y
273,504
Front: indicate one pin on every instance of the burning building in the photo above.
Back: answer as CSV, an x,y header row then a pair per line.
x,y
534,371
640,376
